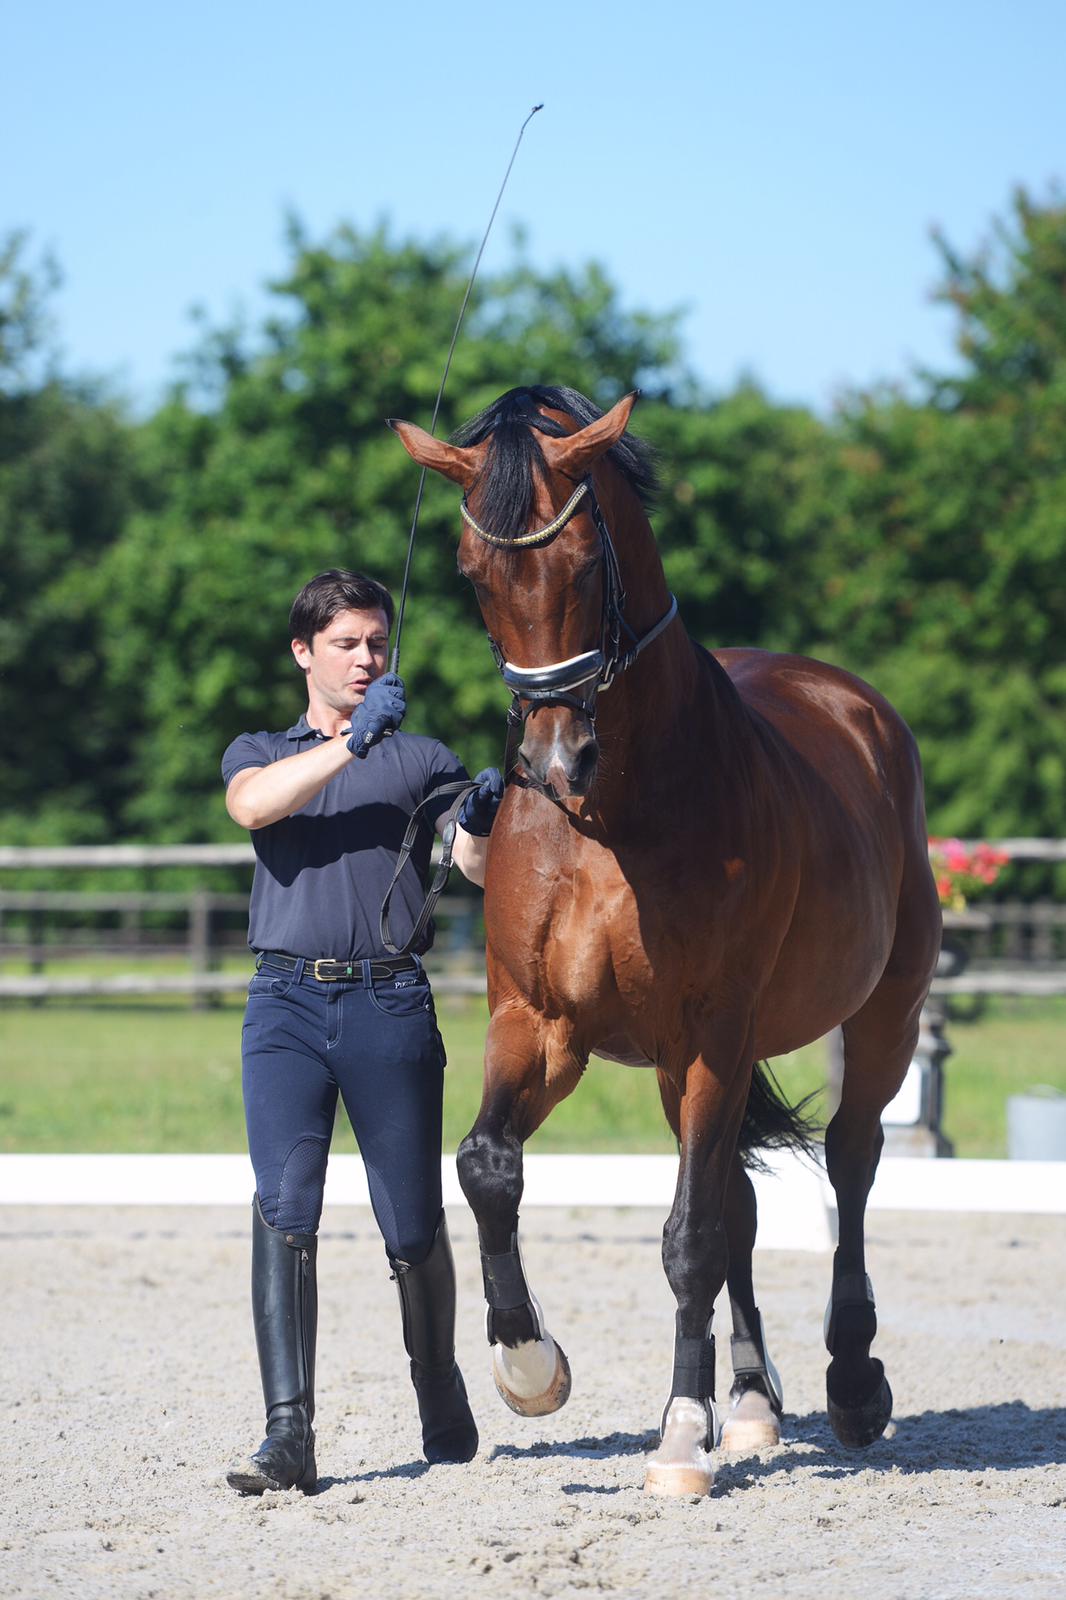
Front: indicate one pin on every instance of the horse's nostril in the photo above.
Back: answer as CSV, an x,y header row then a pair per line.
x,y
573,773
585,762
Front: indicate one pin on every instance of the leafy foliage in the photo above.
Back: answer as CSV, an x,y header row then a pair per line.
x,y
148,566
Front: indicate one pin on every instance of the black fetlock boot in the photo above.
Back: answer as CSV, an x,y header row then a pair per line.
x,y
285,1310
427,1302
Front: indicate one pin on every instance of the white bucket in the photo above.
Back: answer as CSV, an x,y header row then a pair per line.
x,y
1036,1125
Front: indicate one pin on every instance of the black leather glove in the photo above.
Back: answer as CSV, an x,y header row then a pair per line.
x,y
381,712
478,811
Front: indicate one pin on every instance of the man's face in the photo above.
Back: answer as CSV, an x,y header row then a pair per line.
x,y
343,660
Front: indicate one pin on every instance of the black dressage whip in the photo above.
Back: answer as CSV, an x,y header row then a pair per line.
x,y
395,663
459,790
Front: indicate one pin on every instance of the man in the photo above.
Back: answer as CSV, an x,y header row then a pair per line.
x,y
330,1012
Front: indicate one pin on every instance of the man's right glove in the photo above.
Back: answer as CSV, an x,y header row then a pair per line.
x,y
381,712
478,811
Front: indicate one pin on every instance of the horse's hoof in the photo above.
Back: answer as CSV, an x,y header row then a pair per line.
x,y
677,1479
753,1424
858,1426
532,1379
681,1465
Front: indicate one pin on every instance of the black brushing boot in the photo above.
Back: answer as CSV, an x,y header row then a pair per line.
x,y
427,1302
285,1310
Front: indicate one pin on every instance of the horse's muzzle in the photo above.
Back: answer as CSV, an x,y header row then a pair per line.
x,y
562,770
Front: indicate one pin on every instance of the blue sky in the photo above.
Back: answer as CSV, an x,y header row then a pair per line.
x,y
773,168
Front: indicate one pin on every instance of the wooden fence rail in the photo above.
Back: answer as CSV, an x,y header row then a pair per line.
x,y
1023,946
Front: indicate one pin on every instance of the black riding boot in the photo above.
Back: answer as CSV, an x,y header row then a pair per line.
x,y
285,1310
427,1302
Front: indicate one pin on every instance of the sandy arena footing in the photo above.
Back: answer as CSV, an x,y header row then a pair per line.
x,y
130,1384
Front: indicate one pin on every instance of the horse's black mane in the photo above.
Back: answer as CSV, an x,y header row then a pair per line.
x,y
505,487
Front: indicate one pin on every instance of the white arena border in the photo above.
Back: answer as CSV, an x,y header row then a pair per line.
x,y
796,1207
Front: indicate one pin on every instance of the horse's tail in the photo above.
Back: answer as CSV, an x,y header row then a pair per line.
x,y
771,1123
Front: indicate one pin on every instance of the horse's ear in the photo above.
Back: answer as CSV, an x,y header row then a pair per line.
x,y
461,466
576,451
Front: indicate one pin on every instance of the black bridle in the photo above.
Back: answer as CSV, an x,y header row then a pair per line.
x,y
577,681
574,683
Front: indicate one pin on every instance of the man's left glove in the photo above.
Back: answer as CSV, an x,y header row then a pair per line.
x,y
381,712
478,811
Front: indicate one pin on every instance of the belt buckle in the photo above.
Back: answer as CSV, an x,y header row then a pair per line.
x,y
331,977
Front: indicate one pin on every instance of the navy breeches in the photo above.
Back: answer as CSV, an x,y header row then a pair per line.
x,y
377,1045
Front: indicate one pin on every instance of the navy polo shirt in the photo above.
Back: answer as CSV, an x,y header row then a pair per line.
x,y
321,874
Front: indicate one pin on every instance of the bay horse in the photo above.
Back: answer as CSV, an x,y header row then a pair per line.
x,y
701,860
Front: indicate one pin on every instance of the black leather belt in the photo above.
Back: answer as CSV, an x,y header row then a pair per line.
x,y
328,971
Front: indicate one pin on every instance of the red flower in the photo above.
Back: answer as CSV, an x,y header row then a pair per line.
x,y
960,871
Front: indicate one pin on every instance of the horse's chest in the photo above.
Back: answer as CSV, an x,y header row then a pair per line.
x,y
579,943
599,949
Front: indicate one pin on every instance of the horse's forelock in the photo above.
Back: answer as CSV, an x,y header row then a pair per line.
x,y
506,487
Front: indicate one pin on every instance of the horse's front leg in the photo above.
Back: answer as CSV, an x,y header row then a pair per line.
x,y
529,1068
695,1256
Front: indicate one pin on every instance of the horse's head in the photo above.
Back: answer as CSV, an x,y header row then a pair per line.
x,y
535,549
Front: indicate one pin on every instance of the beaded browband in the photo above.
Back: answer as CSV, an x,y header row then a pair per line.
x,y
541,536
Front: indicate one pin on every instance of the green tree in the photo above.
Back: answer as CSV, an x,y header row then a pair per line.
x,y
944,575
65,492
272,462
148,568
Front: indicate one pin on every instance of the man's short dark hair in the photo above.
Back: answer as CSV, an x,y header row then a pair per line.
x,y
319,601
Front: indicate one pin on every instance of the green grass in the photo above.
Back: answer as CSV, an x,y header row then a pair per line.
x,y
149,1075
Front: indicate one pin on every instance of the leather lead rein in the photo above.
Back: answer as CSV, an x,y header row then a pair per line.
x,y
440,877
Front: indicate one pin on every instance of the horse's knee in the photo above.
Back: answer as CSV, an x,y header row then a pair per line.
x,y
489,1163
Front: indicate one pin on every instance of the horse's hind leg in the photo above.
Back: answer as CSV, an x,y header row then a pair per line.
x,y
695,1252
528,1070
754,1420
879,1044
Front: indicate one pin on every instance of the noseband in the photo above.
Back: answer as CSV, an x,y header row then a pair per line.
x,y
577,681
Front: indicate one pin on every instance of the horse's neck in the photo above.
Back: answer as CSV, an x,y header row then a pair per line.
x,y
672,691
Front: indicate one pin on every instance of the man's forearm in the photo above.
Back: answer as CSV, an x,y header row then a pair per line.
x,y
262,795
469,852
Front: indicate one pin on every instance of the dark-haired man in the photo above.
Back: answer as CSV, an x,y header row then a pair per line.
x,y
329,1011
